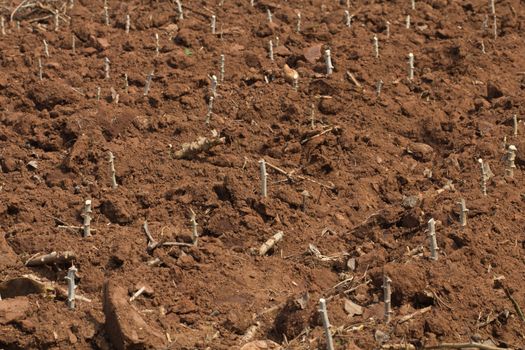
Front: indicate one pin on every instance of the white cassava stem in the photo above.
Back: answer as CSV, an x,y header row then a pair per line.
x,y
376,46
126,83
326,324
86,214
40,70
46,48
106,68
269,15
411,66
57,20
147,86
270,50
387,298
298,25
407,22
194,232
432,237
387,29
213,24
157,44
74,43
221,69
128,23
495,27
71,287
106,14
111,160
2,25
484,177
210,109
413,4
463,211
348,19
263,174
312,116
305,195
511,157
328,62
515,125
492,7
213,85
179,9
379,87
98,93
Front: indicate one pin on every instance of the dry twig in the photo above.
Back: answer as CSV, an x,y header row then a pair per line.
x,y
463,346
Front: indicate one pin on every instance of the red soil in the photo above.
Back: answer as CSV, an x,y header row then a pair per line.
x,y
375,178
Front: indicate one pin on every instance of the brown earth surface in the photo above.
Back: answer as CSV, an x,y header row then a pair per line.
x,y
376,169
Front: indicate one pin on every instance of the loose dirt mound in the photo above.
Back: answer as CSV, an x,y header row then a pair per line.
x,y
353,177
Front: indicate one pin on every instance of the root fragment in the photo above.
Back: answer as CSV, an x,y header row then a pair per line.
x,y
203,144
51,258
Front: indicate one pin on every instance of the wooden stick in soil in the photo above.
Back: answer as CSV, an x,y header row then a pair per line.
x,y
463,211
484,177
111,161
147,86
46,48
71,287
40,71
87,218
269,244
328,62
210,110
387,296
106,68
379,87
432,237
326,324
511,157
264,175
194,233
51,258
179,9
410,66
221,69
